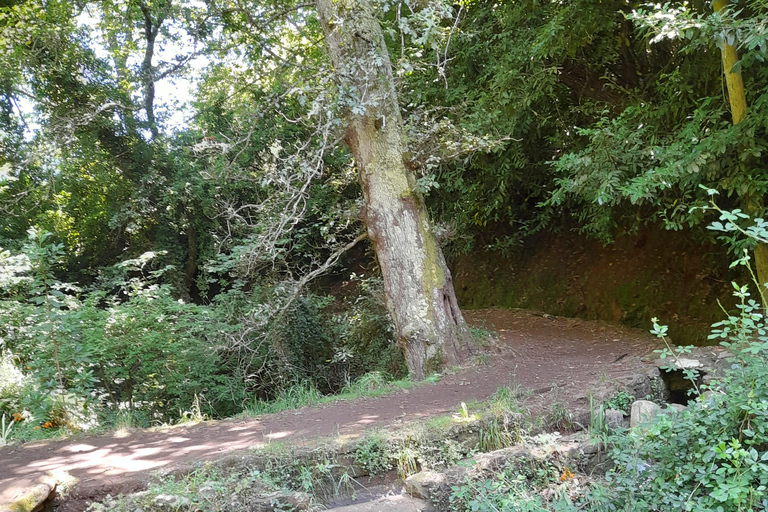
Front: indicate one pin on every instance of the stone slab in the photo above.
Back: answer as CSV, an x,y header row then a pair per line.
x,y
398,503
28,496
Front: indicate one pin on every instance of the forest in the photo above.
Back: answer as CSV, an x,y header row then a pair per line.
x,y
211,207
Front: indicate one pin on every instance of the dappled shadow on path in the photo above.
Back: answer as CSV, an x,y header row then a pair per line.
x,y
533,352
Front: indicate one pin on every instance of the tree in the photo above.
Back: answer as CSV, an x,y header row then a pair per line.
x,y
738,102
419,291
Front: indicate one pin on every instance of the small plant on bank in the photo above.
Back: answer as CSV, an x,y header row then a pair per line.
x,y
293,397
597,426
463,412
507,400
495,436
559,418
373,454
620,401
407,458
322,479
481,335
5,430
372,383
514,488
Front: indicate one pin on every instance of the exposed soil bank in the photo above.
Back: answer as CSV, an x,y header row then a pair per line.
x,y
654,274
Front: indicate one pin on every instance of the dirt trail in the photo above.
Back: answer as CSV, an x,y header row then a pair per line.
x,y
534,352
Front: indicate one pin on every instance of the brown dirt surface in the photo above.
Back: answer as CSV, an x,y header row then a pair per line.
x,y
560,359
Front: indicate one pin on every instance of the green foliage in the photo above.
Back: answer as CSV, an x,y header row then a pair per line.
x,y
514,488
598,429
81,352
369,384
373,454
652,159
293,397
496,435
161,273
711,457
620,401
5,429
366,333
558,418
440,454
12,382
80,359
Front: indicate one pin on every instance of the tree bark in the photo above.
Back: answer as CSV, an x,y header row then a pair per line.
x,y
419,290
738,101
151,29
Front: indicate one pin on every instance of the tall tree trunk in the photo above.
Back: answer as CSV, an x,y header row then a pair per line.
x,y
151,29
419,291
738,101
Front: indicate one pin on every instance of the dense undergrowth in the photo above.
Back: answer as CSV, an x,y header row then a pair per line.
x,y
174,285
135,355
713,456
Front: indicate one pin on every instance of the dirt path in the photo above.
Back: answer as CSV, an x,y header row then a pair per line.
x,y
534,352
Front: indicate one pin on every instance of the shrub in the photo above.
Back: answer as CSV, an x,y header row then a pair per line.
x,y
365,334
713,456
159,353
11,385
80,353
620,401
373,454
307,340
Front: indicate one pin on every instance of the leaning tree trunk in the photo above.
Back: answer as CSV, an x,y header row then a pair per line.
x,y
738,102
419,291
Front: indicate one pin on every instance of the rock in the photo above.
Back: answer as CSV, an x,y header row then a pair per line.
x,y
581,418
613,419
206,492
424,483
687,364
437,486
640,386
643,411
677,407
499,458
589,448
398,503
725,354
32,499
594,457
567,449
280,501
171,501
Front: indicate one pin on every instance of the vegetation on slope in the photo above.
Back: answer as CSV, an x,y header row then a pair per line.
x,y
155,268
